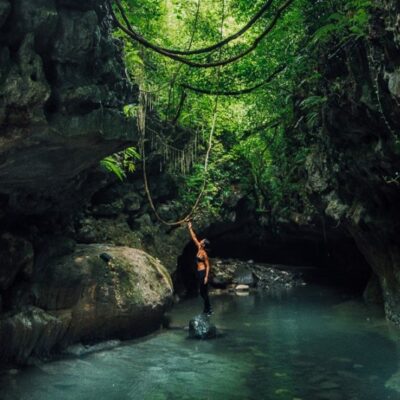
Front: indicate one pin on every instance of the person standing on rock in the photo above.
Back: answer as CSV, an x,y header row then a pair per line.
x,y
203,268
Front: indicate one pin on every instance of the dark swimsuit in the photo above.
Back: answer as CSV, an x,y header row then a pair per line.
x,y
199,259
201,274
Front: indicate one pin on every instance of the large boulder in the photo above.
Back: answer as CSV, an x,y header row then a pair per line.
x,y
245,276
95,292
231,271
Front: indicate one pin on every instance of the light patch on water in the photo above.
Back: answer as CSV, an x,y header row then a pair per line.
x,y
302,345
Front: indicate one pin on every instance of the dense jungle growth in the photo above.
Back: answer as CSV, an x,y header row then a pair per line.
x,y
273,125
266,105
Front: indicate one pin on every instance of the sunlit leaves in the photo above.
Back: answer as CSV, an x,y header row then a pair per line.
x,y
268,162
121,163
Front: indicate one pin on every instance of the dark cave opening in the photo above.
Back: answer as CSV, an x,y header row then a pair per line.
x,y
333,261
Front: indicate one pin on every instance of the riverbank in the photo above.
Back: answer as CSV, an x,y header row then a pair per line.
x,y
308,342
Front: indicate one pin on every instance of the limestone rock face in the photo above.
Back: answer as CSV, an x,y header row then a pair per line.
x,y
95,292
353,170
62,90
120,214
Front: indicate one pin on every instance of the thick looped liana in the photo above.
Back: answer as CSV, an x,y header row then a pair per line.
x,y
195,206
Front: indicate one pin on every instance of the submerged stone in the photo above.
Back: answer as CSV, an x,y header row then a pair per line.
x,y
200,327
242,287
245,277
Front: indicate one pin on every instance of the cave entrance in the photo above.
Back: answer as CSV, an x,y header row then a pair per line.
x,y
328,260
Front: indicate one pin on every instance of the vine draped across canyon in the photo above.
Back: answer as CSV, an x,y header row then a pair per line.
x,y
267,57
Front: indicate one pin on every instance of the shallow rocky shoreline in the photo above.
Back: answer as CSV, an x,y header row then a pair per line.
x,y
239,275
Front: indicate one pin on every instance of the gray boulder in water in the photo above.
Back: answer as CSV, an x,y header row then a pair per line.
x,y
200,327
245,277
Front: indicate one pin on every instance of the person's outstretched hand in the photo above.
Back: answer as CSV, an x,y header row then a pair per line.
x,y
189,225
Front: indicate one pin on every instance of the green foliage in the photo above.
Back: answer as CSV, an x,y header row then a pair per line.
x,y
121,163
112,164
311,106
260,143
130,110
349,20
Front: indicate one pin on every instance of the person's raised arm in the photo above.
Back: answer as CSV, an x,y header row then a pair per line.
x,y
193,235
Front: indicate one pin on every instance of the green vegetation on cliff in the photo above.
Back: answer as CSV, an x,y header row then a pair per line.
x,y
268,103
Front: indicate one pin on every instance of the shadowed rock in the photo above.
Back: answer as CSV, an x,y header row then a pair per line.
x,y
62,91
82,297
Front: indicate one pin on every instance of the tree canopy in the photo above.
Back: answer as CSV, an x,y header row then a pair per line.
x,y
245,65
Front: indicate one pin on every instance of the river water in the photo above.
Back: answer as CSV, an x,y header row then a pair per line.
x,y
309,343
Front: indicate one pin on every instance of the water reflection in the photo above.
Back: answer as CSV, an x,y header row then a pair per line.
x,y
310,343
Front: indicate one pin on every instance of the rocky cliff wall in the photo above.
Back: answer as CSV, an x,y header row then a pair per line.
x,y
353,170
62,89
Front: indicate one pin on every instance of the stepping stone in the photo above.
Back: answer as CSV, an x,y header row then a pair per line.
x,y
200,327
242,287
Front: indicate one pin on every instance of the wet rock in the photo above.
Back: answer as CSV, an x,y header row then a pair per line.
x,y
245,277
79,297
228,273
29,332
218,283
81,349
242,288
16,255
200,327
223,271
276,278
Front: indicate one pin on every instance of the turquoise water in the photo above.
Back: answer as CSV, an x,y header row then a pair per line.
x,y
309,343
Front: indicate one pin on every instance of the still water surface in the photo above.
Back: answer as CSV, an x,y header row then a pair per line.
x,y
310,343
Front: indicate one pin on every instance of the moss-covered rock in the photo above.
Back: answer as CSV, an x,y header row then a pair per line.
x,y
95,292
